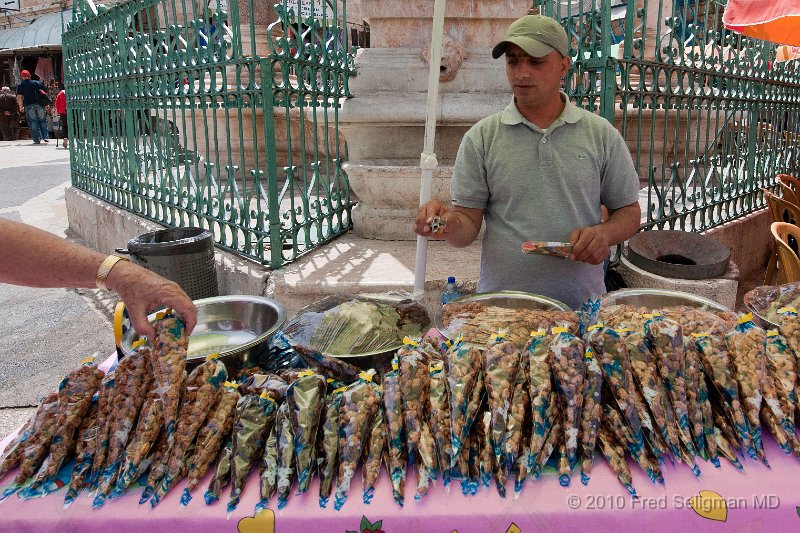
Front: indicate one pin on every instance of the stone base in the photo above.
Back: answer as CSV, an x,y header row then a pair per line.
x,y
721,290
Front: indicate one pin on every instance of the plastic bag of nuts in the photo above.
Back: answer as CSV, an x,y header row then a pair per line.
x,y
781,368
328,454
306,398
439,417
268,475
503,360
567,354
416,385
374,454
614,453
254,417
398,456
222,474
551,439
592,412
84,452
30,433
717,365
284,434
746,347
540,382
464,373
359,405
148,427
665,339
168,361
215,430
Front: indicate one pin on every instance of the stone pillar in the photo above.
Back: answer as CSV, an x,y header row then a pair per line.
x,y
384,122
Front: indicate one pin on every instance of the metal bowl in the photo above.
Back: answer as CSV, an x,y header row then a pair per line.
x,y
505,299
238,327
760,299
657,298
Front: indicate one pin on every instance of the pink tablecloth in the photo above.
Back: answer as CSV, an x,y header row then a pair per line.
x,y
760,499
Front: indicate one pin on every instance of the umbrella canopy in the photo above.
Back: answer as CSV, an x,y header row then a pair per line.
x,y
787,53
777,21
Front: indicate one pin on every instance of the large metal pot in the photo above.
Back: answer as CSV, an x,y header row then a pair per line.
x,y
238,327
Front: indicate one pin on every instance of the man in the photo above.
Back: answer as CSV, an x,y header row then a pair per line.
x,y
35,115
9,117
35,258
539,170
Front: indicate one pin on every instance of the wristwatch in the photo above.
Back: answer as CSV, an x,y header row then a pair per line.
x,y
105,269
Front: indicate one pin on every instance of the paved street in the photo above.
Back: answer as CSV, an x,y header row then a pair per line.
x,y
44,333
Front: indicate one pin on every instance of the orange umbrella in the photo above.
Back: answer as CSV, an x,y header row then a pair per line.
x,y
777,21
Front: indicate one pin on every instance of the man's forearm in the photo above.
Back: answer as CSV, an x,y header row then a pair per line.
x,y
461,230
36,258
622,223
19,101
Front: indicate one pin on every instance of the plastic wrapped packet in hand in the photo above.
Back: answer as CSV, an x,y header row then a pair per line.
x,y
567,354
464,373
781,369
614,453
645,373
203,388
148,427
168,362
254,416
14,453
540,382
555,249
306,398
374,454
665,339
717,365
592,412
439,417
328,454
222,474
84,452
746,347
359,405
216,429
502,359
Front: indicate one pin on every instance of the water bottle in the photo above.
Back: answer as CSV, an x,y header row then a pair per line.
x,y
450,291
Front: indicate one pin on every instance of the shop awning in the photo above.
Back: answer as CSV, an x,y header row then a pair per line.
x,y
42,34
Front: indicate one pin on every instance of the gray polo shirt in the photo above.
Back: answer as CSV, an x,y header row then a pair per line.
x,y
536,185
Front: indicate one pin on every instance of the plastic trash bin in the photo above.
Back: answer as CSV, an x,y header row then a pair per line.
x,y
183,255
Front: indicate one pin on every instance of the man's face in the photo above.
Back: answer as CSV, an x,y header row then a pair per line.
x,y
534,80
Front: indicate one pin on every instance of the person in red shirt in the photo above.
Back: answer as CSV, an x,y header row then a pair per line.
x,y
61,109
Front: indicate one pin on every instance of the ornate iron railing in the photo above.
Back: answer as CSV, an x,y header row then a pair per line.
x,y
191,112
709,116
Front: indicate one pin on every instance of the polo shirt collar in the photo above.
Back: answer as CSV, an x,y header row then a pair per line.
x,y
570,115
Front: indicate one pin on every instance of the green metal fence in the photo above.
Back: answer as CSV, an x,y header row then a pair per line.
x,y
193,112
710,117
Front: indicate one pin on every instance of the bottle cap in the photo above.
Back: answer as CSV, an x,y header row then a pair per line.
x,y
451,279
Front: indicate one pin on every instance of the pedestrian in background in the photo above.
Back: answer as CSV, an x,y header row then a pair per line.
x,y
61,109
9,115
28,92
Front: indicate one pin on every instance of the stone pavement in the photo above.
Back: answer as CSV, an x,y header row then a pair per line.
x,y
44,333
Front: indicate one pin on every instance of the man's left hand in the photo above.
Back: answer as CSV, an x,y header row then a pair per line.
x,y
589,245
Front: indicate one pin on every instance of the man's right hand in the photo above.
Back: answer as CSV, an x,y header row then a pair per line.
x,y
433,208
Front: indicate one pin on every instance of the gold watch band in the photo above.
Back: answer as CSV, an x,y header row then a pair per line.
x,y
105,269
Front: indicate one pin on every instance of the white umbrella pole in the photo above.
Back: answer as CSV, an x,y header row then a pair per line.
x,y
428,162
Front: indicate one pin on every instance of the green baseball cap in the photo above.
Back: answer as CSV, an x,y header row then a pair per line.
x,y
536,34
